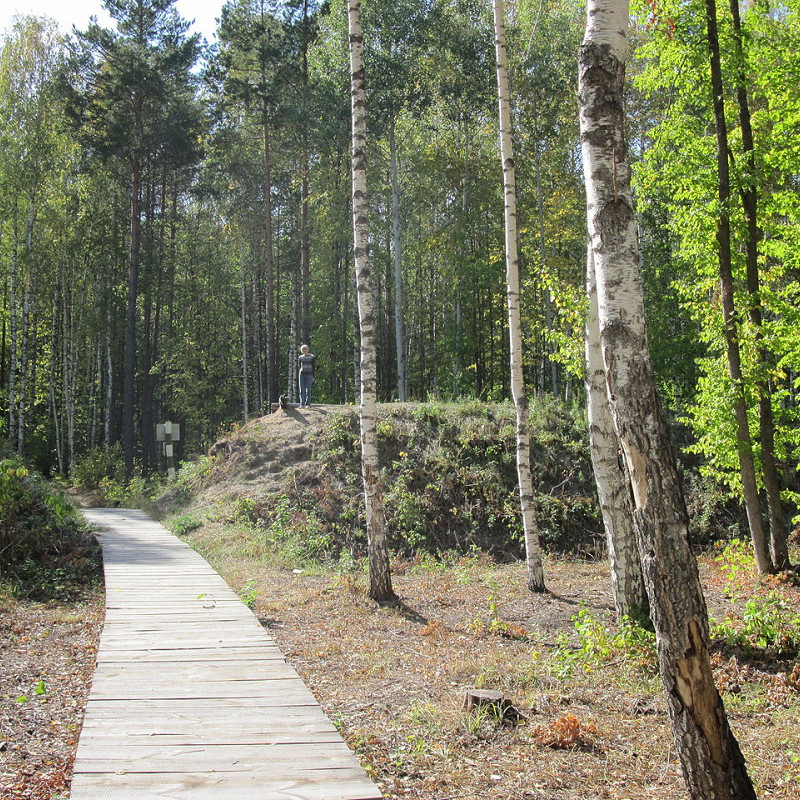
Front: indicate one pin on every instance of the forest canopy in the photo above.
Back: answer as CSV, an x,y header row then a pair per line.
x,y
175,217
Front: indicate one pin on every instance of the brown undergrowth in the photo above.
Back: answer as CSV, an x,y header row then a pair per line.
x,y
594,725
47,653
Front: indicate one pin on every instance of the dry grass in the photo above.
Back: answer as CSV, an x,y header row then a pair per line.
x,y
393,679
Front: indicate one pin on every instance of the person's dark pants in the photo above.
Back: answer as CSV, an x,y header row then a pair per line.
x,y
306,381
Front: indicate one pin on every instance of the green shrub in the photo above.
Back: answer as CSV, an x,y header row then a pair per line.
x,y
768,625
184,524
450,479
98,465
45,546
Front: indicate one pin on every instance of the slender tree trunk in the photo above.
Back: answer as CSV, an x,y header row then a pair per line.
x,y
13,333
305,258
52,381
458,350
744,443
272,360
129,377
3,335
24,366
379,574
68,366
613,486
243,317
712,763
533,554
292,387
109,410
779,551
548,300
399,321
305,249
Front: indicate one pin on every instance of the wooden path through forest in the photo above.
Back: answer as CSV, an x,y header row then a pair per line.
x,y
191,698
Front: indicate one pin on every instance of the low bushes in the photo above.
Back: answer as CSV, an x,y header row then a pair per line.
x,y
450,484
45,547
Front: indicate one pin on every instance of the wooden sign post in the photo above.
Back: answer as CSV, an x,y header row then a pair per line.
x,y
169,432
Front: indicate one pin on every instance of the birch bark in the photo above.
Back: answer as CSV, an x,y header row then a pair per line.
x,y
533,554
713,765
380,583
613,486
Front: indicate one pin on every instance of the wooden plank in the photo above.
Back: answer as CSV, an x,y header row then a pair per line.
x,y
191,698
290,758
319,785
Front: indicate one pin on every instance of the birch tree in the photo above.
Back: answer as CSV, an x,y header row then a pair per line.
x,y
713,765
613,487
380,582
533,554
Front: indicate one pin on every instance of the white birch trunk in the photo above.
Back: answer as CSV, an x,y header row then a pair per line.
x,y
397,257
613,486
712,763
379,574
533,554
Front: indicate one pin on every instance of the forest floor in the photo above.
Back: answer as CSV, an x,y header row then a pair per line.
x,y
592,722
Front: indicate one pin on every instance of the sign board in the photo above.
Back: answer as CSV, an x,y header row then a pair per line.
x,y
168,429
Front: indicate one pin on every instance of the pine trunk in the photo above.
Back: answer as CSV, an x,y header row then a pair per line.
x,y
379,574
129,376
269,308
533,554
243,320
397,257
713,765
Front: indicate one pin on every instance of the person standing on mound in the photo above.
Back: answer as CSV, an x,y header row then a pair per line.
x,y
306,363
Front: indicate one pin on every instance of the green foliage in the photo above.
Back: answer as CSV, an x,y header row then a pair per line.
x,y
135,493
450,478
184,524
598,644
768,625
45,547
736,561
97,466
249,593
678,194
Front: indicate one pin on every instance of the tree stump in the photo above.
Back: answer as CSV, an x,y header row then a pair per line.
x,y
497,702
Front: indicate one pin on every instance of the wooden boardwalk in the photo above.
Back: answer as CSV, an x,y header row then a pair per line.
x,y
191,698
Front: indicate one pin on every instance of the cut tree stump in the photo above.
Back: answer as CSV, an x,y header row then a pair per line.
x,y
502,707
